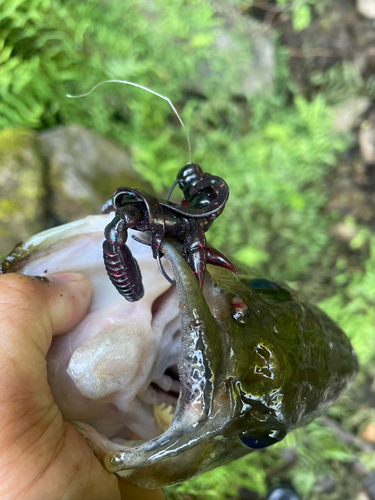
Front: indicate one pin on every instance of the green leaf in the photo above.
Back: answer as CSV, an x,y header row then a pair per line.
x,y
251,256
301,17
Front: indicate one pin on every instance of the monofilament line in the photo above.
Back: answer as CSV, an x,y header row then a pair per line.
x,y
147,90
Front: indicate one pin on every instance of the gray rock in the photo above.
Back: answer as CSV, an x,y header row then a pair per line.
x,y
84,170
366,8
366,139
22,194
56,176
348,113
248,51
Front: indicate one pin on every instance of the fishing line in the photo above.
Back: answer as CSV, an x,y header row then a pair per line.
x,y
162,270
125,82
172,188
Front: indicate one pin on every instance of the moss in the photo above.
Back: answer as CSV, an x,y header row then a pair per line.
x,y
14,140
21,189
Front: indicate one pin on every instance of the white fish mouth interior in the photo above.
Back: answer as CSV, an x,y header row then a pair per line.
x,y
165,390
133,364
117,370
145,410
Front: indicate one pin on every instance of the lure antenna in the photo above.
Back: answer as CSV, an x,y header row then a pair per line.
x,y
125,82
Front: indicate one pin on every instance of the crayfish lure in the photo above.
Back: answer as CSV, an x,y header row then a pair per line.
x,y
204,199
205,196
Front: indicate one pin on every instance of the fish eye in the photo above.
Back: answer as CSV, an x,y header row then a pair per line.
x,y
256,443
253,443
270,289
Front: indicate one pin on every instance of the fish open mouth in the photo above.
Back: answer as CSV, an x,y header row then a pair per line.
x,y
119,371
129,362
163,393
135,378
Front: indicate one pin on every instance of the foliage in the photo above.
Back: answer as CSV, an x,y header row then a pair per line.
x,y
51,47
302,11
275,151
281,163
313,466
341,81
48,43
210,486
353,305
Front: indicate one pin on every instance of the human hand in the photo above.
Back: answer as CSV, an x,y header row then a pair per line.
x,y
41,455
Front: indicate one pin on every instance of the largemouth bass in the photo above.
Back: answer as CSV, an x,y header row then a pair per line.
x,y
185,379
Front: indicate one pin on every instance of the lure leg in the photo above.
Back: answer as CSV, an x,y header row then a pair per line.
x,y
218,259
123,271
195,250
121,266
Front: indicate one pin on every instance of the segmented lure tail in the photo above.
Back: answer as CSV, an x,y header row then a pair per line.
x,y
123,271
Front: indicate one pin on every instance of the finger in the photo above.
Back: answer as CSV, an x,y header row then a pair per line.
x,y
40,307
31,311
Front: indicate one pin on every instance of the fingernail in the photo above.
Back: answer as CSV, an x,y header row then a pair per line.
x,y
68,276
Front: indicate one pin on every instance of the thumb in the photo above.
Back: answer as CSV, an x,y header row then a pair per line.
x,y
32,309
